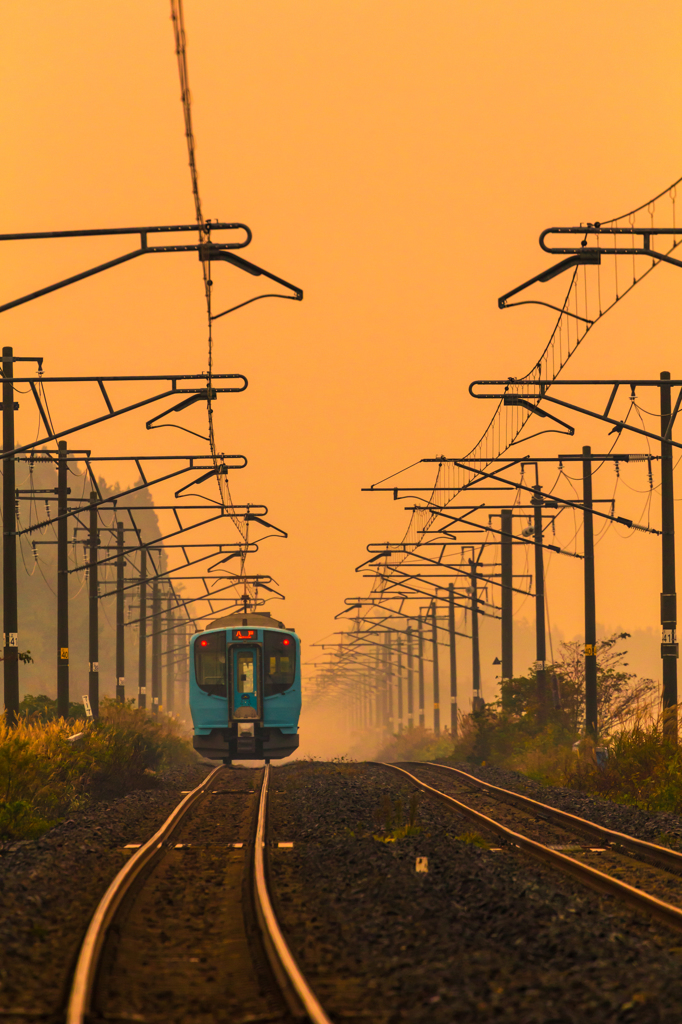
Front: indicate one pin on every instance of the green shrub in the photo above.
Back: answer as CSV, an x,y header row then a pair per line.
x,y
44,709
416,744
43,777
643,768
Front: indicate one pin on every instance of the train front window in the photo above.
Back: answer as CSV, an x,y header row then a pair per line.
x,y
210,664
245,665
280,662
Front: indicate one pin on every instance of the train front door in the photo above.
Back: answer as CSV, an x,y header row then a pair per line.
x,y
245,695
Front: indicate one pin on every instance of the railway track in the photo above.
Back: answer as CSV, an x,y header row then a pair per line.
x,y
558,839
187,930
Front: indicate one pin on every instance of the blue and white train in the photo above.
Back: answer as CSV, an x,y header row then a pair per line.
x,y
245,688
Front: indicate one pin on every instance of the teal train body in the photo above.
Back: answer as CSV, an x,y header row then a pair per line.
x,y
245,688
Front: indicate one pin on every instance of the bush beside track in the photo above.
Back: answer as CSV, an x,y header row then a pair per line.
x,y
642,767
44,777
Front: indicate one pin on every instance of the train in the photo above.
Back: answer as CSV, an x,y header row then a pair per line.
x,y
245,688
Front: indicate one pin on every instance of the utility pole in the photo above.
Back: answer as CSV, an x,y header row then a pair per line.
x,y
420,647
453,660
399,656
62,585
507,595
10,609
93,618
475,646
156,647
389,683
170,657
142,672
540,638
410,680
436,681
120,625
669,647
378,692
591,721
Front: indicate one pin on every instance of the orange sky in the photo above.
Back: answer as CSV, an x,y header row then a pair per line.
x,y
395,159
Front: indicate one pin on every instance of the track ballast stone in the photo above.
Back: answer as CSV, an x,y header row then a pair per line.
x,y
483,936
49,889
653,826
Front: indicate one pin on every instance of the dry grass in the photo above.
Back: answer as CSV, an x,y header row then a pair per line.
x,y
43,777
421,744
643,768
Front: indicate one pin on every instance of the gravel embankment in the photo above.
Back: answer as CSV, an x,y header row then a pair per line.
x,y
50,887
484,936
652,826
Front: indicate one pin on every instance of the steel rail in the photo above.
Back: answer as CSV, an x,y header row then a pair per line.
x,y
667,913
278,951
82,987
284,966
661,856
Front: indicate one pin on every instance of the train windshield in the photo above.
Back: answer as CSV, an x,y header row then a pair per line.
x,y
210,664
279,662
245,665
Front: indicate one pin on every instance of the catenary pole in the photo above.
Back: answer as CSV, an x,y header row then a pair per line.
x,y
120,625
142,651
378,692
410,679
540,637
62,584
453,660
389,684
170,658
156,647
10,609
436,680
669,648
399,659
475,644
507,595
93,609
591,722
420,648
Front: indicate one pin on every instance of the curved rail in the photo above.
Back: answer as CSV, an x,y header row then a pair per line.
x,y
277,945
665,912
84,976
283,963
661,856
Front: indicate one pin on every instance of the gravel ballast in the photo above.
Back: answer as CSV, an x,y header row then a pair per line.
x,y
653,826
483,936
50,887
